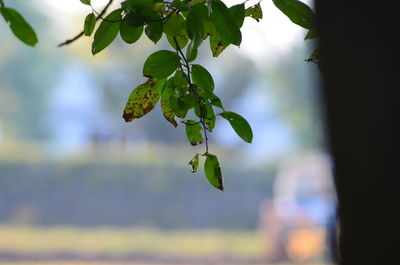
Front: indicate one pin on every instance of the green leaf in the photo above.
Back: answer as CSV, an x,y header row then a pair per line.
x,y
238,13
179,5
21,29
239,125
206,111
189,99
311,34
168,113
154,31
134,5
182,41
180,79
254,12
224,23
143,99
213,172
193,132
107,31
175,25
194,163
86,2
201,11
90,22
161,64
202,78
129,32
143,10
210,119
178,106
195,29
168,89
191,52
214,100
159,7
298,12
314,57
217,44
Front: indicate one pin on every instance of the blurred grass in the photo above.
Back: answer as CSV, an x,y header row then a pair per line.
x,y
118,241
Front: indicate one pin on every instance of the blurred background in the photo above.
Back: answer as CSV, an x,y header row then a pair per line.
x,y
78,185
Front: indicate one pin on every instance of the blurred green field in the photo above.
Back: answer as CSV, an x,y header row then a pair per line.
x,y
158,247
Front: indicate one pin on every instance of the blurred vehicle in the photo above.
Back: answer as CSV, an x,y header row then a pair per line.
x,y
295,219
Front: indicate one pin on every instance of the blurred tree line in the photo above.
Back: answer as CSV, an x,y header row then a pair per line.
x,y
164,196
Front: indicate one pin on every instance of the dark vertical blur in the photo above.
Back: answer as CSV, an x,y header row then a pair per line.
x,y
360,56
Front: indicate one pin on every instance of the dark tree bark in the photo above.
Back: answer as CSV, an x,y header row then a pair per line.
x,y
360,47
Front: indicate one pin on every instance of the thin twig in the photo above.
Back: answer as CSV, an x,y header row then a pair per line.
x,y
67,42
191,86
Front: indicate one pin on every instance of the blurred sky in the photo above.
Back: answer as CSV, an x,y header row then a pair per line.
x,y
74,104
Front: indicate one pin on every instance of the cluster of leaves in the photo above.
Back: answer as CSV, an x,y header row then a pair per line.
x,y
21,29
185,90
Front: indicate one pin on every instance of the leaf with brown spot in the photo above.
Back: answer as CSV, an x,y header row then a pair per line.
x,y
168,113
142,100
217,44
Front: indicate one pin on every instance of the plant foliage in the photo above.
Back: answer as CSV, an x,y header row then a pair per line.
x,y
183,88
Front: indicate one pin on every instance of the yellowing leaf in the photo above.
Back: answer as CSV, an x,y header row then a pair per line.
x,y
168,113
142,100
194,163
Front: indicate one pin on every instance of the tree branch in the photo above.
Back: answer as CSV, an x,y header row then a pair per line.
x,y
67,42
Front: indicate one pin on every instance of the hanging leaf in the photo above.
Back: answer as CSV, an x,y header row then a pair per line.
x,y
161,64
214,100
311,34
298,12
239,125
193,132
254,12
194,163
217,44
168,113
191,51
129,32
175,25
168,89
86,2
213,172
210,118
90,22
107,31
179,5
314,57
180,79
178,106
224,23
143,99
21,29
202,78
238,14
182,41
154,31
195,29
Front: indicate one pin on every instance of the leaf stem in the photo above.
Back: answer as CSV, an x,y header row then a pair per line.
x,y
69,41
192,87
